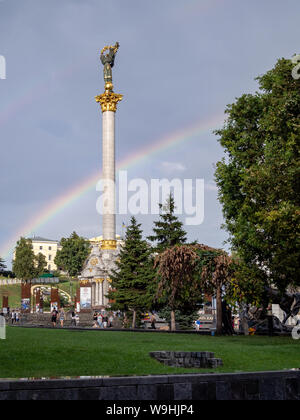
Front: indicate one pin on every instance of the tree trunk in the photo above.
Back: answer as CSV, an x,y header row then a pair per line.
x,y
173,321
219,311
133,319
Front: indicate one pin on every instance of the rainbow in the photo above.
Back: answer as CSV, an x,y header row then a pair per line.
x,y
64,200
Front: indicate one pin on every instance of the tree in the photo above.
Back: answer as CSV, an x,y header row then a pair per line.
x,y
168,230
2,265
178,284
74,252
40,264
184,319
216,270
24,261
259,180
134,275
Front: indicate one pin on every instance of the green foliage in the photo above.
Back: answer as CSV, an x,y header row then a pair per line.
x,y
259,182
184,318
178,285
133,278
2,265
41,264
168,230
24,262
73,254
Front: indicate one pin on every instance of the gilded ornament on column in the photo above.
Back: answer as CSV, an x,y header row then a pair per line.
x,y
109,244
108,100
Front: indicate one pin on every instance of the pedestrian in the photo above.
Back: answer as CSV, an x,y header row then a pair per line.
x,y
100,320
111,320
270,320
153,321
198,324
95,320
105,321
17,316
73,319
13,316
77,320
62,317
54,317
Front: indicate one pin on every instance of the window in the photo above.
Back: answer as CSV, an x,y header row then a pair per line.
x,y
41,247
49,257
49,267
50,248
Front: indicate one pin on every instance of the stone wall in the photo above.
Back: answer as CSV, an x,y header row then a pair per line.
x,y
246,386
187,359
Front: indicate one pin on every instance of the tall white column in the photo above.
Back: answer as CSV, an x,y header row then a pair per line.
x,y
109,101
108,164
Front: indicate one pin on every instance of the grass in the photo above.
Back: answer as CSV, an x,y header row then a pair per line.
x,y
13,291
44,353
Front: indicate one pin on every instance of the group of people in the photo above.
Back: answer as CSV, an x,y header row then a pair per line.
x,y
61,317
102,320
15,316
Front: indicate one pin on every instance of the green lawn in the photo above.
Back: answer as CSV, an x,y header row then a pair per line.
x,y
40,353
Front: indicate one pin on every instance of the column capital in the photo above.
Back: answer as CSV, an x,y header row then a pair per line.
x,y
109,100
109,244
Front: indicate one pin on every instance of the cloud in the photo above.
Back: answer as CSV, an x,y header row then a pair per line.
x,y
210,186
173,167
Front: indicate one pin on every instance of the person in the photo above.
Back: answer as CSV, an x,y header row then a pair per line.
x,y
77,320
111,320
62,317
54,317
105,321
95,316
270,319
153,321
13,316
73,319
100,320
17,316
198,324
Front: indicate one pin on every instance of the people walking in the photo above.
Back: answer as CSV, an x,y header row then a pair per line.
x,y
13,318
17,316
153,321
62,317
270,320
100,320
73,319
105,321
54,314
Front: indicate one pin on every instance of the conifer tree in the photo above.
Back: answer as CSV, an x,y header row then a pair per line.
x,y
134,275
168,230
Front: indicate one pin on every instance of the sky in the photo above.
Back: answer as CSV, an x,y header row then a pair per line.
x,y
180,63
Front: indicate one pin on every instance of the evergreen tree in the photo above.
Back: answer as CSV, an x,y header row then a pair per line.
x,y
133,278
73,254
168,229
24,261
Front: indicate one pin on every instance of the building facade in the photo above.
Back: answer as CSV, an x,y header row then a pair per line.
x,y
48,248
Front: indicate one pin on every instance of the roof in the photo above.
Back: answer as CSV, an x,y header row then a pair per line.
x,y
40,239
